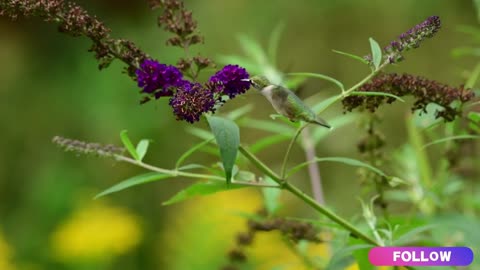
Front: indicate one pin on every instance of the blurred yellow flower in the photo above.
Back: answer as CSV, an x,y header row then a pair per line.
x,y
207,221
213,221
96,232
5,255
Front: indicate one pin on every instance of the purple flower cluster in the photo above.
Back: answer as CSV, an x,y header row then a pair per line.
x,y
412,38
190,100
423,90
158,79
230,77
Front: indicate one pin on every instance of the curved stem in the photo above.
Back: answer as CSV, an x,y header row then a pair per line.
x,y
365,80
290,146
304,197
187,174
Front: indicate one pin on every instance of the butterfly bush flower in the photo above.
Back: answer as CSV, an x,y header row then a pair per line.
x,y
409,40
412,38
424,90
158,79
191,101
231,78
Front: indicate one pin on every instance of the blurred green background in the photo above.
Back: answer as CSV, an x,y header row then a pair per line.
x,y
50,85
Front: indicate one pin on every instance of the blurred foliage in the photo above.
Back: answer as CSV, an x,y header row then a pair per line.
x,y
50,86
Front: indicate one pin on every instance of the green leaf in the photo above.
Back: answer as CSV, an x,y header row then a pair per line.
x,y
245,176
376,53
200,133
252,49
190,151
142,148
360,93
134,181
267,126
271,197
410,237
201,188
128,144
353,56
337,122
473,78
192,167
347,161
227,135
451,138
322,106
415,138
273,43
319,76
340,256
267,141
477,6
465,51
237,113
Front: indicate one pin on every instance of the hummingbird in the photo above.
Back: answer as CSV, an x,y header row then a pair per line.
x,y
285,102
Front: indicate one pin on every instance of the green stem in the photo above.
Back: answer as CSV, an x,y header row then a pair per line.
x,y
187,174
304,197
290,146
365,80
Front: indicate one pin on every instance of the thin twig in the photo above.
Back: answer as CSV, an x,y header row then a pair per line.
x,y
313,169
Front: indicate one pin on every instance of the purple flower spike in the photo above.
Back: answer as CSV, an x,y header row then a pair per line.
x,y
412,38
231,77
157,79
191,101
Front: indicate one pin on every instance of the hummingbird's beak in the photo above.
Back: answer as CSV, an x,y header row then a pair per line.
x,y
246,80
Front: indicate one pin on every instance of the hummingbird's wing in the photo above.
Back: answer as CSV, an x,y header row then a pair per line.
x,y
282,102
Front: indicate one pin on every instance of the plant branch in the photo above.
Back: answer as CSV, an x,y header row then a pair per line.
x,y
304,197
187,174
290,146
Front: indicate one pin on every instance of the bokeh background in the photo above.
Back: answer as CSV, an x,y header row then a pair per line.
x,y
50,85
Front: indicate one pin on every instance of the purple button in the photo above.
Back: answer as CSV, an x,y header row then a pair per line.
x,y
420,256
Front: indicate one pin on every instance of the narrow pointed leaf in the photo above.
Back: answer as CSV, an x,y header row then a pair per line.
x,y
452,138
227,135
273,43
319,76
200,133
142,148
128,144
323,105
235,114
347,161
360,93
201,188
353,56
267,126
376,53
134,181
271,197
253,49
337,122
268,141
473,78
190,151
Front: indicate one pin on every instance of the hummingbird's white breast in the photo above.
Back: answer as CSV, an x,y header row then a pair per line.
x,y
268,93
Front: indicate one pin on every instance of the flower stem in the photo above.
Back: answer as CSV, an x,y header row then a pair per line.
x,y
187,174
304,197
290,146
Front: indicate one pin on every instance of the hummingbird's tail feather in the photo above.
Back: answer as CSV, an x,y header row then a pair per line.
x,y
321,122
